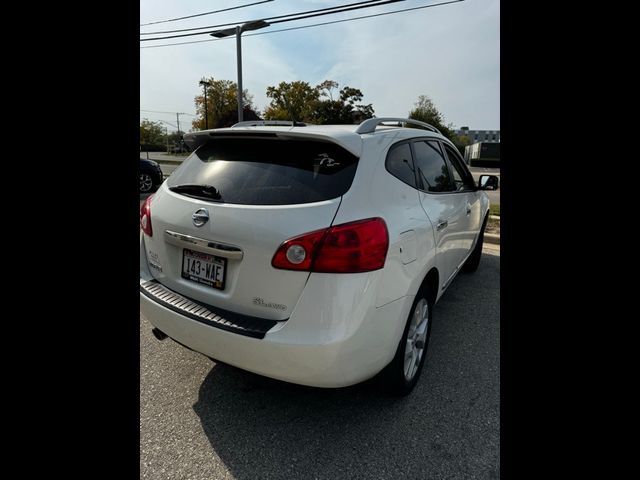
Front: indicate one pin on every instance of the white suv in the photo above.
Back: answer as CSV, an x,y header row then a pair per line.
x,y
311,254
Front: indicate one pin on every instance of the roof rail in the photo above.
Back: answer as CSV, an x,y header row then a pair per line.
x,y
261,123
369,125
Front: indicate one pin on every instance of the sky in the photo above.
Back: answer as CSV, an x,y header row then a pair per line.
x,y
450,53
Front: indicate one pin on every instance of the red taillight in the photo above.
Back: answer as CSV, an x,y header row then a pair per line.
x,y
353,247
348,248
145,216
304,244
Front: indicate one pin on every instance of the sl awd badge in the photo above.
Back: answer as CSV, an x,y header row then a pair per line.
x,y
200,217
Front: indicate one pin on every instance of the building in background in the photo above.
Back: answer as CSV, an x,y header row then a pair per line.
x,y
483,147
475,136
483,154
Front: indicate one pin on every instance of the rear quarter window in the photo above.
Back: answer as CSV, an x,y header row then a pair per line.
x,y
268,171
399,163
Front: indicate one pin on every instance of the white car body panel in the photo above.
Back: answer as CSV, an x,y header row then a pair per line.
x,y
257,230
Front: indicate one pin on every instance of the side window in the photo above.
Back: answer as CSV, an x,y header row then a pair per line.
x,y
433,172
400,163
461,177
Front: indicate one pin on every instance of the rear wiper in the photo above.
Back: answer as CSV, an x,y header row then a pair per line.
x,y
200,191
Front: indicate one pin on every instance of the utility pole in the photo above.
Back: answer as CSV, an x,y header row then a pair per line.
x,y
205,84
206,113
178,118
166,130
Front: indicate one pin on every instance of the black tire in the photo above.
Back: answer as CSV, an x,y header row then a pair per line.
x,y
471,265
393,378
146,183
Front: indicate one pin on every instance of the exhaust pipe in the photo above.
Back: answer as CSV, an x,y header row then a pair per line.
x,y
159,334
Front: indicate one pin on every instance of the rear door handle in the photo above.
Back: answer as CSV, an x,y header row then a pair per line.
x,y
442,225
468,209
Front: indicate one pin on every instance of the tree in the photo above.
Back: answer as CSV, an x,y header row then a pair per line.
x,y
326,87
426,111
152,133
222,105
231,118
292,101
341,111
461,141
300,101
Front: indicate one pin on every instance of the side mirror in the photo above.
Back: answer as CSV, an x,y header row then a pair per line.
x,y
488,182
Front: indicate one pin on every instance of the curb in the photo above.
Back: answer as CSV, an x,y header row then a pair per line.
x,y
492,238
167,162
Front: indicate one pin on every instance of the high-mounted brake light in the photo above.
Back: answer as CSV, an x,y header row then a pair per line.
x,y
352,247
145,216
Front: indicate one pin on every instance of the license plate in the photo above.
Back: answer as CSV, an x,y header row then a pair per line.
x,y
204,268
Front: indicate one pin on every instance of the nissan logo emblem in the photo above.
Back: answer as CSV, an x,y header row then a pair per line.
x,y
200,217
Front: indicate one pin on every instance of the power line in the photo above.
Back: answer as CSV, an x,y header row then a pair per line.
x,y
247,21
321,14
144,117
338,9
170,113
163,121
308,26
203,14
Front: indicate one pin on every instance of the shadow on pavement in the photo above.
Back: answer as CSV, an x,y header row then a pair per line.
x,y
448,427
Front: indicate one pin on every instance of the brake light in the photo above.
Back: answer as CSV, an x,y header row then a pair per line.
x,y
145,216
352,247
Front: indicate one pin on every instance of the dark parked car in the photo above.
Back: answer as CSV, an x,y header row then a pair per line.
x,y
150,175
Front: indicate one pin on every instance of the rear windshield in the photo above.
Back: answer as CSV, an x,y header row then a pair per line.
x,y
265,171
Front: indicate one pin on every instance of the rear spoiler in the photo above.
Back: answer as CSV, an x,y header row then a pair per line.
x,y
349,141
195,139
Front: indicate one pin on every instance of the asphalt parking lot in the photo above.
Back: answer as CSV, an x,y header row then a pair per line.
x,y
199,420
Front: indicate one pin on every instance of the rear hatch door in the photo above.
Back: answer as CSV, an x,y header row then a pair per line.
x,y
219,219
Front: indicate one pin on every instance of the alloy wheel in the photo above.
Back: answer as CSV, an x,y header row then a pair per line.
x,y
416,339
146,182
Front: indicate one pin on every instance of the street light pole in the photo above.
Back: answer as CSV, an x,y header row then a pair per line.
x,y
237,31
239,55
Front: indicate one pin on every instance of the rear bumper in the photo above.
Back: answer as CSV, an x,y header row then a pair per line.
x,y
331,339
207,314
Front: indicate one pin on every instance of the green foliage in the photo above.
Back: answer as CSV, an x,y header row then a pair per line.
x,y
326,88
151,133
461,141
292,101
175,137
222,105
300,102
426,111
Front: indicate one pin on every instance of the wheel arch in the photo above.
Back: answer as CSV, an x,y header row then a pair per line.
x,y
431,284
